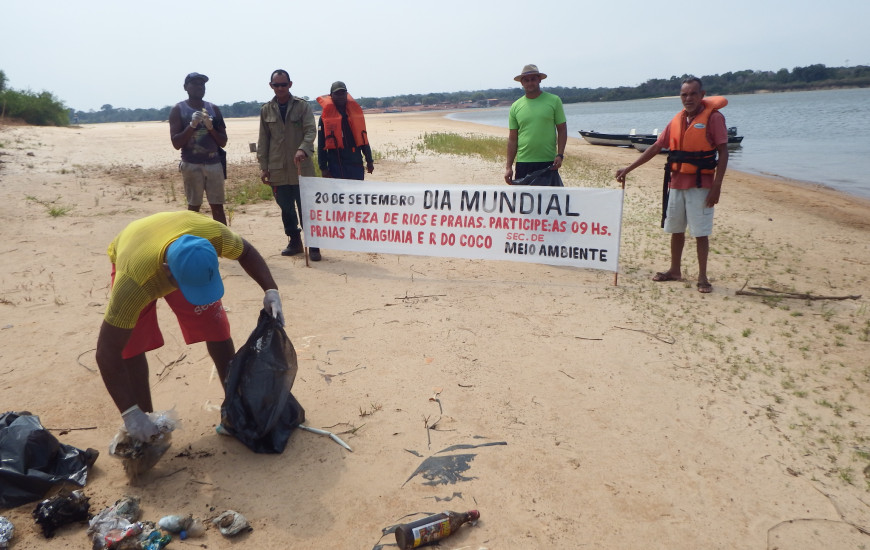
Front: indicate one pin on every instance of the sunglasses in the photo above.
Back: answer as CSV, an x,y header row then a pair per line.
x,y
280,84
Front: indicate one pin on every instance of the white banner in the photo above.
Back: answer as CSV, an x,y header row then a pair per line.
x,y
546,225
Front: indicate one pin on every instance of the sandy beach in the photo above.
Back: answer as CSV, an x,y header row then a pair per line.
x,y
589,415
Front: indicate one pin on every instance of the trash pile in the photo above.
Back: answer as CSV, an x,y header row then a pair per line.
x,y
64,508
138,457
120,526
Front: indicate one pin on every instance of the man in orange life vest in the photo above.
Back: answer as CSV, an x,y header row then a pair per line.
x,y
693,175
342,140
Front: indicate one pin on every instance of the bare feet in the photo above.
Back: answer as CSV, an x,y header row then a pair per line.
x,y
663,276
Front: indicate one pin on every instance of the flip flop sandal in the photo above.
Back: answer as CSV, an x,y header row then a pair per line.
x,y
705,288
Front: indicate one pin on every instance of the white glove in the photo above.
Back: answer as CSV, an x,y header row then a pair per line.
x,y
138,425
196,119
272,304
207,121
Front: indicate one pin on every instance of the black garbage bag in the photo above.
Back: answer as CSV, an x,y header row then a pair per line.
x,y
258,407
33,461
541,178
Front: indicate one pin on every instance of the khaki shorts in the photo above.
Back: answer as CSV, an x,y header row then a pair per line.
x,y
688,207
202,178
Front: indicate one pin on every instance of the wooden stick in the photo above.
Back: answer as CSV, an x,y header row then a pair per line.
x,y
616,273
769,292
305,248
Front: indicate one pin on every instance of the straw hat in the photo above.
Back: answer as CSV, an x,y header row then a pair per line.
x,y
530,69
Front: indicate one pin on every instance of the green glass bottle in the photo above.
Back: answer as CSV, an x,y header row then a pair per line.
x,y
432,528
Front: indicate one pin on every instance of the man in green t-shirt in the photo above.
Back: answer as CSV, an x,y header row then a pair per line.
x,y
532,141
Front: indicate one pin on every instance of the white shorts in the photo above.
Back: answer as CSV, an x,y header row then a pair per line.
x,y
688,207
202,178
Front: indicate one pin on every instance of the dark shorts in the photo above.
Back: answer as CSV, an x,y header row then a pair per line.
x,y
526,168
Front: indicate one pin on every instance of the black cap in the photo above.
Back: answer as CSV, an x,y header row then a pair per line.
x,y
195,76
336,86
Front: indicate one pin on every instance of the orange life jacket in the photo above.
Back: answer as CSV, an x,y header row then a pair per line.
x,y
691,151
331,120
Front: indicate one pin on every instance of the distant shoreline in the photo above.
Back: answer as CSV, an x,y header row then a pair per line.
x,y
506,103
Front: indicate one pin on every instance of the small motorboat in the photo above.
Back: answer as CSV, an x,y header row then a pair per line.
x,y
642,143
613,140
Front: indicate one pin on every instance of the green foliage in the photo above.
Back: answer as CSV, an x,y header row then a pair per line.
x,y
3,80
54,210
107,113
494,149
747,81
489,148
40,109
241,109
247,191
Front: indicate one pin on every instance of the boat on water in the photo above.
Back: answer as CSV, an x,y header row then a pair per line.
x,y
614,140
642,143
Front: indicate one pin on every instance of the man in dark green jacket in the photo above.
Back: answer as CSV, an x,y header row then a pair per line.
x,y
284,151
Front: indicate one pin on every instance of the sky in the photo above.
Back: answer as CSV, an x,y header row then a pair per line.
x,y
136,54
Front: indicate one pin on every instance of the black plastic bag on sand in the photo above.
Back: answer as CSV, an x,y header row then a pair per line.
x,y
258,408
33,461
61,509
541,178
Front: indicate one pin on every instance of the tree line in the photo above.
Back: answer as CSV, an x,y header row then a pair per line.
x,y
41,109
44,108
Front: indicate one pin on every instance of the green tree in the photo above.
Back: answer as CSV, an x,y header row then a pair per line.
x,y
811,73
41,109
367,102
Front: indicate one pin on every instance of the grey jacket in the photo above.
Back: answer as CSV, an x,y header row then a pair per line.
x,y
279,140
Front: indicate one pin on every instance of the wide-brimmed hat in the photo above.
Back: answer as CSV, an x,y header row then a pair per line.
x,y
193,263
195,76
530,69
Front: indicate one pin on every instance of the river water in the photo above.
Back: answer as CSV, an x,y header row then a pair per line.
x,y
820,137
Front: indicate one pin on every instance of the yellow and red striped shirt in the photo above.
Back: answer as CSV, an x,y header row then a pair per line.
x,y
139,251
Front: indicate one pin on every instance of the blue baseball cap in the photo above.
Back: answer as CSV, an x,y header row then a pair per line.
x,y
193,262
